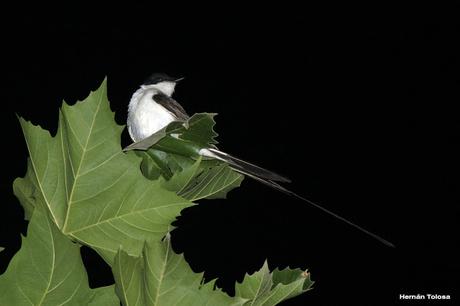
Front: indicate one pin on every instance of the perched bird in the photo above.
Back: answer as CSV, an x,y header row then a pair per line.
x,y
152,108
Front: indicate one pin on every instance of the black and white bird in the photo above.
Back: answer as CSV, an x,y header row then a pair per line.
x,y
152,108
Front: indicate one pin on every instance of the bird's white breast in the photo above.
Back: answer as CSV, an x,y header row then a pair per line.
x,y
145,116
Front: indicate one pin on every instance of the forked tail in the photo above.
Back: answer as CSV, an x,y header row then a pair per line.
x,y
270,179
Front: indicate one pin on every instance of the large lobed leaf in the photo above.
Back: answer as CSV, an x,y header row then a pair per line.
x,y
92,190
48,270
270,288
161,277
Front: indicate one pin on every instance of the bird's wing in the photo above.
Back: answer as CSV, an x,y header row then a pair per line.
x,y
171,105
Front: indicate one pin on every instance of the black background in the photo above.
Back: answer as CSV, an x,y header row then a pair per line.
x,y
358,110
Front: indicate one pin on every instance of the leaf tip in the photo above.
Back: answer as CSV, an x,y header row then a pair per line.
x,y
27,124
103,83
21,119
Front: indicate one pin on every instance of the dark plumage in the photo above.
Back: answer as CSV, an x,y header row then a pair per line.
x,y
159,77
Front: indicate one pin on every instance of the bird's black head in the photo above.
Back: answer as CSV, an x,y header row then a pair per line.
x,y
159,77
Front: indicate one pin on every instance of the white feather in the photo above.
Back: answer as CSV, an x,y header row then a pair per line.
x,y
145,116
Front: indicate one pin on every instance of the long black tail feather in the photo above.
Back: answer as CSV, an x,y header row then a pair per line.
x,y
244,166
293,194
268,178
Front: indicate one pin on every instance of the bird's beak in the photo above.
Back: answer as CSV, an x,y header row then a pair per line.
x,y
179,79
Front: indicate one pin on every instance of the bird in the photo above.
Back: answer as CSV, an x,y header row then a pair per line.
x,y
152,108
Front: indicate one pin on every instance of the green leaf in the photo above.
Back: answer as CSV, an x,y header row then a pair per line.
x,y
1,249
265,288
25,191
162,277
203,180
153,164
182,178
48,270
104,296
212,183
93,191
200,130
